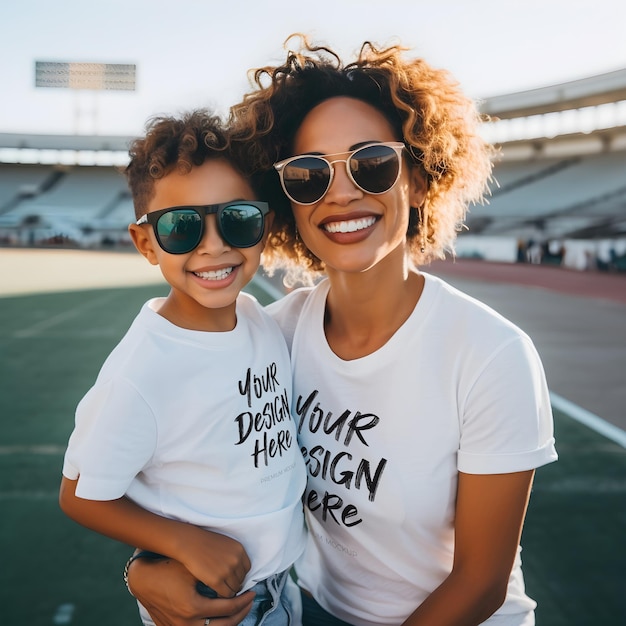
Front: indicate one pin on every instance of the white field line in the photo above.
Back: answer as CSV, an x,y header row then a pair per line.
x,y
44,325
608,430
41,449
64,614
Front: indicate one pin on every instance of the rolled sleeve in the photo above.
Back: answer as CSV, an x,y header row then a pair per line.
x,y
507,423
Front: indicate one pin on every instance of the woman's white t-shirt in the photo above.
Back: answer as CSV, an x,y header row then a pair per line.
x,y
456,388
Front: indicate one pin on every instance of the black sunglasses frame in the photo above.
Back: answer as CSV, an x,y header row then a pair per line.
x,y
280,166
202,211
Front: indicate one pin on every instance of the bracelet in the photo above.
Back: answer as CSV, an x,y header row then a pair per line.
x,y
139,554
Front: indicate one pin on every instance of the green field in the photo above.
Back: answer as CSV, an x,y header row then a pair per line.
x,y
55,572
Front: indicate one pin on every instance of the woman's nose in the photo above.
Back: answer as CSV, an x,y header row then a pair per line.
x,y
342,189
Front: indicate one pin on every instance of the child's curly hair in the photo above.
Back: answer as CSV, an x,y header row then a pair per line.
x,y
427,110
175,143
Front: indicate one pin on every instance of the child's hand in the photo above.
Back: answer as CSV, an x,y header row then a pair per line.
x,y
216,560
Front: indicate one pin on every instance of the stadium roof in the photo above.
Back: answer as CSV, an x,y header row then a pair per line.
x,y
592,91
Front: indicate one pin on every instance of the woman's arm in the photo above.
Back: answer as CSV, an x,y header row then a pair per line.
x,y
490,513
218,561
167,590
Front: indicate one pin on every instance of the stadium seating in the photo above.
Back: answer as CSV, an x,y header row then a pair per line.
x,y
577,195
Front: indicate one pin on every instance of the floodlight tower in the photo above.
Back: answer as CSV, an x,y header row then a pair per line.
x,y
91,77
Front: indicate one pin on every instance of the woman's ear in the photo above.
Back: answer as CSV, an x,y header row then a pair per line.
x,y
418,187
143,242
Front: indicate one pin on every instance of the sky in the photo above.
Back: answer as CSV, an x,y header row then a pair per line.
x,y
196,53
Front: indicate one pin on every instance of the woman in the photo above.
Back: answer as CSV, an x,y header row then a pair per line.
x,y
421,413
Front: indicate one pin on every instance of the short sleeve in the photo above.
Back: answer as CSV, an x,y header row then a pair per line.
x,y
286,312
114,438
506,420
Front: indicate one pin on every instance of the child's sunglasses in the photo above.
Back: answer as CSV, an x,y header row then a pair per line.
x,y
179,229
374,168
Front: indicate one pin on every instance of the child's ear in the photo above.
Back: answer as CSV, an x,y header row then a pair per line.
x,y
143,242
418,187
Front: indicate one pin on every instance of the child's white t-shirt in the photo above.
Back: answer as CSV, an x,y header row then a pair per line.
x,y
196,426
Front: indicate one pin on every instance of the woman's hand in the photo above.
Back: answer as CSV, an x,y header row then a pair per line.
x,y
168,592
217,560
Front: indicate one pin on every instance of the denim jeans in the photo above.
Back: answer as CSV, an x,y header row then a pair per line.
x,y
277,603
314,615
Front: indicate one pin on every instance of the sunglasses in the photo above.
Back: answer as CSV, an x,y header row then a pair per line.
x,y
374,168
179,229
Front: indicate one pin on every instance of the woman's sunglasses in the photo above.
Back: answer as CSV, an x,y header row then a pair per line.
x,y
374,168
179,229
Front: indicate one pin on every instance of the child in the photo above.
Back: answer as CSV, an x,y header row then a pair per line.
x,y
185,446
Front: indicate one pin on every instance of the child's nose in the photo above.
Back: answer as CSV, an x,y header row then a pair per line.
x,y
212,242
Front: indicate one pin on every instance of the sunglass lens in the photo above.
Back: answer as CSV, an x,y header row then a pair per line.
x,y
375,168
242,225
306,179
179,231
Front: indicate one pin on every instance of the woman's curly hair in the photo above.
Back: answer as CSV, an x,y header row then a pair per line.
x,y
174,143
427,110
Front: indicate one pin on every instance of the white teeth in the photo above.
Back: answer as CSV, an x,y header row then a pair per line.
x,y
350,226
215,275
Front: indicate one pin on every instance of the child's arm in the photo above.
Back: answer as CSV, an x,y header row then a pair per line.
x,y
217,560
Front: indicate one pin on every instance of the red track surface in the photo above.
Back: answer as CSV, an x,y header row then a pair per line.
x,y
585,284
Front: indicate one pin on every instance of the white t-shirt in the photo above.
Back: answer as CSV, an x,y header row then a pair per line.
x,y
457,388
196,426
